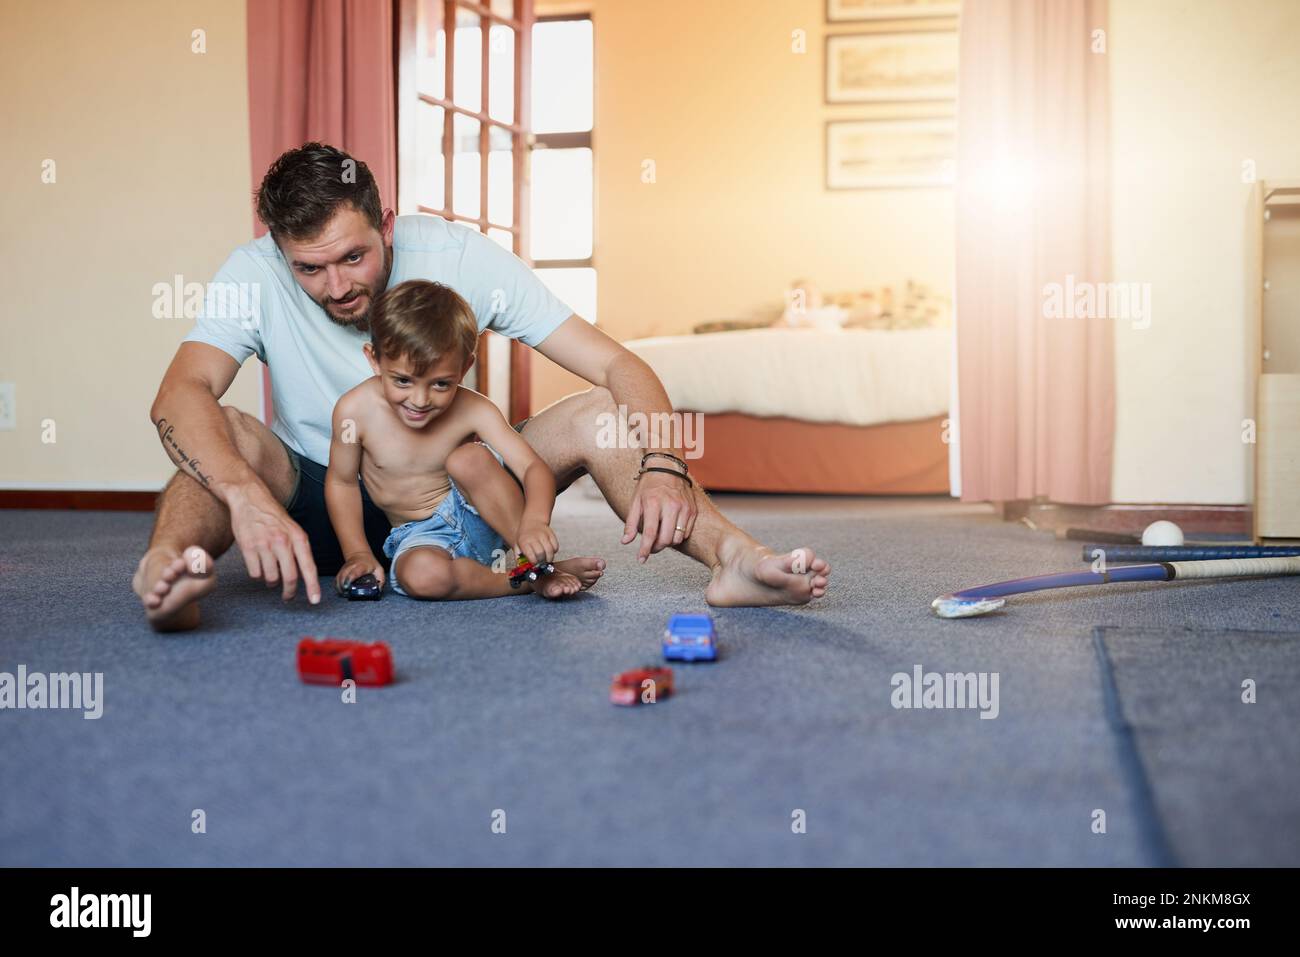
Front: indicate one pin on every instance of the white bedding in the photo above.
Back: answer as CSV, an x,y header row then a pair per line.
x,y
852,376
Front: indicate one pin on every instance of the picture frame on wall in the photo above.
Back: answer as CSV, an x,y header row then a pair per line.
x,y
891,67
859,11
890,154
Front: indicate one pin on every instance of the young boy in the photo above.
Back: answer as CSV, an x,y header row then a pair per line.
x,y
453,508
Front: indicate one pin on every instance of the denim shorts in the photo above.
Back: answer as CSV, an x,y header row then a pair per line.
x,y
455,526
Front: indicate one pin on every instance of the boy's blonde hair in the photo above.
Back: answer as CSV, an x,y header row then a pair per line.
x,y
423,321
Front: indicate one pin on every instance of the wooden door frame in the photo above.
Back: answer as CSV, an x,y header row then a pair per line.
x,y
404,91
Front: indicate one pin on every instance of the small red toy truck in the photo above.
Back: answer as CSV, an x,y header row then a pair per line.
x,y
628,687
330,661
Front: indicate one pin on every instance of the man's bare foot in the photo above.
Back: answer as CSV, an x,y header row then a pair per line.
x,y
170,586
749,574
570,577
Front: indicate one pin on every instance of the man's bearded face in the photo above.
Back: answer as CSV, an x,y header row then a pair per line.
x,y
345,266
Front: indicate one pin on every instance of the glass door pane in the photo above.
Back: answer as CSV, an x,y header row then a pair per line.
x,y
465,170
562,76
467,83
501,177
430,180
501,73
561,207
575,287
430,50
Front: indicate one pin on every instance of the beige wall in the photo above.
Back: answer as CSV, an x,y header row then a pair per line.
x,y
150,143
735,124
1197,88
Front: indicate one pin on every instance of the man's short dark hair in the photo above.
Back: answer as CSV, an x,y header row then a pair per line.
x,y
305,187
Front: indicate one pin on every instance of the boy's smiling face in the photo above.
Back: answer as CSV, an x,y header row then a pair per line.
x,y
419,399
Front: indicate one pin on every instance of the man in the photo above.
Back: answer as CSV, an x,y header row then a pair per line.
x,y
312,280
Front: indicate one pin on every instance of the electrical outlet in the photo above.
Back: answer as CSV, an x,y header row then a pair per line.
x,y
8,415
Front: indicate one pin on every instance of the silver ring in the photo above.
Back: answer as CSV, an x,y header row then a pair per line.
x,y
680,528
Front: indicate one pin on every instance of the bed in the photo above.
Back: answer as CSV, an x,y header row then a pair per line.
x,y
847,411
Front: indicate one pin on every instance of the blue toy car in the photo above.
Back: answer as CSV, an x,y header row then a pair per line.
x,y
690,638
365,588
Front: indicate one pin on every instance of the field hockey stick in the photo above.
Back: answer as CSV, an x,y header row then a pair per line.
x,y
1184,553
986,598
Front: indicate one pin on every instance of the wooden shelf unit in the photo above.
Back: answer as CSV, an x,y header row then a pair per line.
x,y
1273,271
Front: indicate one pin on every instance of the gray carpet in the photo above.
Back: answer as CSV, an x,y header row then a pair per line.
x,y
502,707
1222,769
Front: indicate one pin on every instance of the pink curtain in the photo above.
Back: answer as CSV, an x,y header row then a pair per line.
x,y
1036,390
322,70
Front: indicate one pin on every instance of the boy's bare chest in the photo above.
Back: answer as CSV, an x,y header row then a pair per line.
x,y
394,453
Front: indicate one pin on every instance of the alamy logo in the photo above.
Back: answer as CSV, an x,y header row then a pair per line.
x,y
652,430
84,691
930,689
102,910
241,301
1098,300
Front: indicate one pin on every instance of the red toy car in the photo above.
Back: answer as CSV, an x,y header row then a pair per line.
x,y
628,687
527,571
332,660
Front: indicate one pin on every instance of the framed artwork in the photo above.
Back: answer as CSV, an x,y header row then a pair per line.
x,y
889,154
848,11
884,67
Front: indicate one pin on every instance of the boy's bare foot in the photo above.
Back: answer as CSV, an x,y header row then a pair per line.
x,y
749,574
570,577
557,585
170,586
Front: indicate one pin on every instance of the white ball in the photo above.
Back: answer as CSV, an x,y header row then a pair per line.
x,y
1162,533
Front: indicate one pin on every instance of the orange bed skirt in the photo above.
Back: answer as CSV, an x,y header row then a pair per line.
x,y
744,453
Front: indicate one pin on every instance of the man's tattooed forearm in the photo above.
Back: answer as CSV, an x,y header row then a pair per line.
x,y
177,454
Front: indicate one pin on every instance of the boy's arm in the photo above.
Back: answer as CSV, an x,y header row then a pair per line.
x,y
342,490
534,474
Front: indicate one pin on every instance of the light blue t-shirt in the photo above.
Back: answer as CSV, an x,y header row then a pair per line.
x,y
255,307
